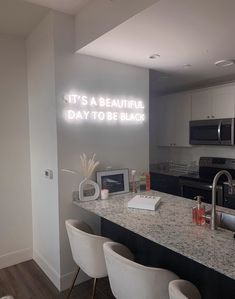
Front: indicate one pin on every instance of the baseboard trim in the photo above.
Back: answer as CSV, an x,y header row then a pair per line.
x,y
47,269
15,257
66,279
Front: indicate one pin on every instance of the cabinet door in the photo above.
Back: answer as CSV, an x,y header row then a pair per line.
x,y
223,102
164,183
170,121
175,116
182,110
202,105
165,114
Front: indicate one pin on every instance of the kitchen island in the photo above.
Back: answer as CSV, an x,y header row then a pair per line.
x,y
177,239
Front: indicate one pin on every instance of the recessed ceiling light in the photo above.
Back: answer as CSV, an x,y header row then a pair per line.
x,y
225,62
187,65
154,56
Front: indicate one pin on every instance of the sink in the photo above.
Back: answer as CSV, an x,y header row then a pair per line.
x,y
224,220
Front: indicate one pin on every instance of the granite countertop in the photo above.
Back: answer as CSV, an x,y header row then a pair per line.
x,y
171,226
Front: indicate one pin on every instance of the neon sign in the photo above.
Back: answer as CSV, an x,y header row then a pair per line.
x,y
83,108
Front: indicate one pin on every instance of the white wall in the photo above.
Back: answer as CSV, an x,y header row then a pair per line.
x,y
15,211
53,70
116,145
43,148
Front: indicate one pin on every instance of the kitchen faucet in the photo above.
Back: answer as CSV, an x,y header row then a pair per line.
x,y
214,185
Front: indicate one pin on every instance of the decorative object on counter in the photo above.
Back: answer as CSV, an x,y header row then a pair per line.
x,y
116,181
104,194
133,182
144,183
88,189
144,202
147,177
198,212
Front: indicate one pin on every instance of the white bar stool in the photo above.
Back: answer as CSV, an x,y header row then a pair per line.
x,y
183,289
87,251
131,280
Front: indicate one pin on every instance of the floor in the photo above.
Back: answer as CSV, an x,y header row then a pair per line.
x,y
27,281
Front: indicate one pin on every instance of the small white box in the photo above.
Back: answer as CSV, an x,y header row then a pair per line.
x,y
144,202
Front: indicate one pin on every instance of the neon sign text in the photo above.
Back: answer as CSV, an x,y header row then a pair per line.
x,y
84,108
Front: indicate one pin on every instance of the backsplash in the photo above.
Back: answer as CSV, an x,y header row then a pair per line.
x,y
182,167
190,154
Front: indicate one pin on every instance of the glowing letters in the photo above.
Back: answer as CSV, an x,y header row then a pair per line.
x,y
84,108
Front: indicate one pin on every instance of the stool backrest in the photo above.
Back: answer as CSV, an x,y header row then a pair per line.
x,y
131,280
87,248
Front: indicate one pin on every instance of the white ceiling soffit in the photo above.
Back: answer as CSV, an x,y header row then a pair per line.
x,y
18,17
101,16
182,32
66,6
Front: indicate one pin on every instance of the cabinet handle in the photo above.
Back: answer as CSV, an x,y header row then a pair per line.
x,y
213,116
208,116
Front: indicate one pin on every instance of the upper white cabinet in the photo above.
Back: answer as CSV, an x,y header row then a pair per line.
x,y
201,105
223,104
217,102
173,115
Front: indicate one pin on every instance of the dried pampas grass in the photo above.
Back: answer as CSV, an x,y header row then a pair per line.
x,y
88,166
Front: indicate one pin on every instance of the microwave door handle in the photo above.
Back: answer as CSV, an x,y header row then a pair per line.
x,y
219,131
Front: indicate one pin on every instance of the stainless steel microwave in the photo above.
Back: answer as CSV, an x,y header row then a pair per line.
x,y
212,132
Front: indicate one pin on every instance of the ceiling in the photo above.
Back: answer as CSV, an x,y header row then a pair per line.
x,y
182,32
18,17
66,6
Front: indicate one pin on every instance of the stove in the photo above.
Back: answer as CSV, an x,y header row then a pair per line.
x,y
192,185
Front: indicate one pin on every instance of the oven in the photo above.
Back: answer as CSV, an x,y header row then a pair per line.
x,y
191,188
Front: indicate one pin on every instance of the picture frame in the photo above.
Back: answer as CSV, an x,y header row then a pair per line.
x,y
116,181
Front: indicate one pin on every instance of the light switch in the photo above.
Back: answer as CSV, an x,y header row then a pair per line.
x,y
48,174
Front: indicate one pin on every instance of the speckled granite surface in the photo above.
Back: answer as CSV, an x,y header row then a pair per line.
x,y
171,226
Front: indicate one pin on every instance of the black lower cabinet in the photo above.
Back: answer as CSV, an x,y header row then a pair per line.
x,y
165,183
212,285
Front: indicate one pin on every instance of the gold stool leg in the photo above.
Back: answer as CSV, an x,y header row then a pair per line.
x,y
93,289
73,283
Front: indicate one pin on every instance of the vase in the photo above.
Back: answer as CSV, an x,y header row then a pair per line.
x,y
83,184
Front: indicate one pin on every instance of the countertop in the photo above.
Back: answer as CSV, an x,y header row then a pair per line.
x,y
171,226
